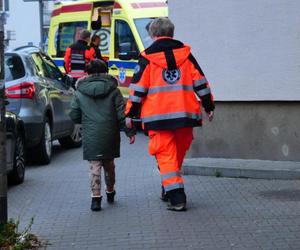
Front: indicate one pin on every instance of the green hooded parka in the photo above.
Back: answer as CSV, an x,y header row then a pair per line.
x,y
99,106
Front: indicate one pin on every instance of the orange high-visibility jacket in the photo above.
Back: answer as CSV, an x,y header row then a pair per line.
x,y
163,88
77,56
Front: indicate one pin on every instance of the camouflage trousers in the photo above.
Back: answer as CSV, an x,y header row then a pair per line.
x,y
109,176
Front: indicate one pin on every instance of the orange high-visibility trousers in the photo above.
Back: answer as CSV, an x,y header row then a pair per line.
x,y
169,147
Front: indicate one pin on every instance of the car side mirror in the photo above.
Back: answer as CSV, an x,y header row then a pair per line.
x,y
126,52
68,80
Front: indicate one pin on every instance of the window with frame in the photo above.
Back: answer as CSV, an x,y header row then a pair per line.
x,y
124,39
68,33
39,65
142,26
52,69
14,68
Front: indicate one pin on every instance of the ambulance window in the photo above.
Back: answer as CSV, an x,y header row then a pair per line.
x,y
142,26
124,39
68,33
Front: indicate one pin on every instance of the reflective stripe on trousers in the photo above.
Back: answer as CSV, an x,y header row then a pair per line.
x,y
169,147
172,180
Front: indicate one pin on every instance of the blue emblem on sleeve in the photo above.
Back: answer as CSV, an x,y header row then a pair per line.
x,y
137,69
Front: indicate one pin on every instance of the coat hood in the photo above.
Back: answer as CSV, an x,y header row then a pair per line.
x,y
97,85
167,53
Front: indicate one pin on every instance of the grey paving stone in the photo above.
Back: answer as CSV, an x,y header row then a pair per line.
x,y
223,213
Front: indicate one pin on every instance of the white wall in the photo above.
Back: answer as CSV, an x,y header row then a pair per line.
x,y
24,20
249,49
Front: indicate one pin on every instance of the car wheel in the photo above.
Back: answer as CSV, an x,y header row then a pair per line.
x,y
74,140
18,173
45,146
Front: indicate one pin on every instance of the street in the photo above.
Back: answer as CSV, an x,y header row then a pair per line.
x,y
223,213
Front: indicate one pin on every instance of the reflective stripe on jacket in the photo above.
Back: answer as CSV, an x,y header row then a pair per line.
x,y
164,87
76,58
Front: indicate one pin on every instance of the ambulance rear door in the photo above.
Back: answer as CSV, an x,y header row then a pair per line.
x,y
124,53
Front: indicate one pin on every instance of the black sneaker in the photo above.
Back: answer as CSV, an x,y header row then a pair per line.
x,y
96,203
177,199
111,197
164,196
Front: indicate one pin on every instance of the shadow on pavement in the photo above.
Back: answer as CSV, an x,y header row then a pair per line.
x,y
57,150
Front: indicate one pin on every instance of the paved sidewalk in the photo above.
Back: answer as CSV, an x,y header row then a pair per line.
x,y
223,213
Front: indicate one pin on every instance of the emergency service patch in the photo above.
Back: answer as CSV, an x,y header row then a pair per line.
x,y
122,75
171,76
137,69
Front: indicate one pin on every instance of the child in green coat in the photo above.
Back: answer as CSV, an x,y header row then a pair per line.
x,y
99,106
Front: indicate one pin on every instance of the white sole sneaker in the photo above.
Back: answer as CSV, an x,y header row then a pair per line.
x,y
178,207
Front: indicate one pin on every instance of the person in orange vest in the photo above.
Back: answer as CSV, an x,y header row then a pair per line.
x,y
78,55
95,43
162,94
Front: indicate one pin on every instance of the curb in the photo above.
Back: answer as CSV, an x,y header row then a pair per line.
x,y
240,168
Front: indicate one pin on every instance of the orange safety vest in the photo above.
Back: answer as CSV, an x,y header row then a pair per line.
x,y
76,58
164,85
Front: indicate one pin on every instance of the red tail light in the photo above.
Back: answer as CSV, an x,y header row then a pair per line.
x,y
21,90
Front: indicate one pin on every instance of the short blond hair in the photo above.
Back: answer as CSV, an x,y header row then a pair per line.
x,y
161,27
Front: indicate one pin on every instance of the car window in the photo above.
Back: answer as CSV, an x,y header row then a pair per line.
x,y
54,72
124,39
40,65
14,68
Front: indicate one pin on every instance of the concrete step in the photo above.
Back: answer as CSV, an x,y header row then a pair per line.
x,y
240,168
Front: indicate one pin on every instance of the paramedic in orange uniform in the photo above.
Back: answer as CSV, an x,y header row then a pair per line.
x,y
163,94
78,55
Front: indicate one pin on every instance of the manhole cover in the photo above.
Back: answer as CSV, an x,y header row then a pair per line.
x,y
282,195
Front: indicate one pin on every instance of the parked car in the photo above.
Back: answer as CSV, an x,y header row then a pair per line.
x,y
40,94
15,148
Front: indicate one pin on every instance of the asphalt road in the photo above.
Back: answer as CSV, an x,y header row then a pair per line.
x,y
223,213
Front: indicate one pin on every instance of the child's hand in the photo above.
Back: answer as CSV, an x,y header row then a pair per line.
x,y
210,115
128,122
131,139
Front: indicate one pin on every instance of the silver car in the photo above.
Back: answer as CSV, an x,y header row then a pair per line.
x,y
40,94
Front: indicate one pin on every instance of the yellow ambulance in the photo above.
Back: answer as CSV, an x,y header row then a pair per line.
x,y
121,24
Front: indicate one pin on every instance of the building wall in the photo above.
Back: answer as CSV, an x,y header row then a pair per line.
x,y
249,50
251,130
